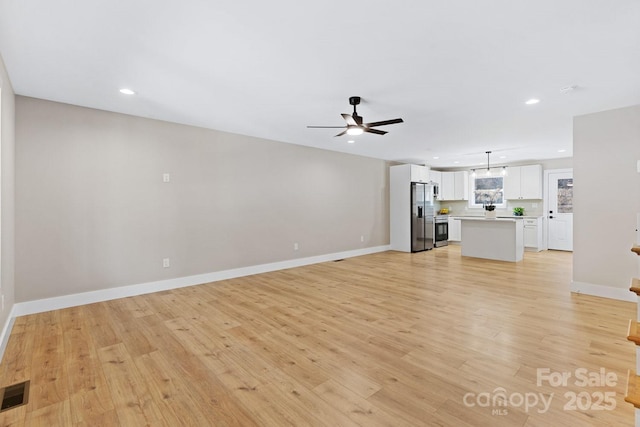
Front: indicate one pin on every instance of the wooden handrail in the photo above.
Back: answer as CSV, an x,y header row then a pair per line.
x,y
635,286
632,332
631,394
636,249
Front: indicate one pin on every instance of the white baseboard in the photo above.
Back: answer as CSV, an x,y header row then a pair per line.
x,y
65,301
622,294
6,331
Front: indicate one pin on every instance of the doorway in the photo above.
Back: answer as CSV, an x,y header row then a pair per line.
x,y
559,209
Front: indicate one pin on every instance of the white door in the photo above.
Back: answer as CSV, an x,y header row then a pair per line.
x,y
560,211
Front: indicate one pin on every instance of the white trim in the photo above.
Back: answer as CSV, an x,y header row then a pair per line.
x,y
472,185
65,301
545,202
621,294
6,331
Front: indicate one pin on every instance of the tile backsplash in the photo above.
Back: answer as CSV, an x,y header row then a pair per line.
x,y
531,208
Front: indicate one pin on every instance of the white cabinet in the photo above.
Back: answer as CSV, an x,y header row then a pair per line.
x,y
531,182
530,239
412,173
455,229
447,186
454,186
419,173
523,182
435,176
533,234
461,185
512,183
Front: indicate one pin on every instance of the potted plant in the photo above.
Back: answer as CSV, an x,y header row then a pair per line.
x,y
490,198
490,211
518,211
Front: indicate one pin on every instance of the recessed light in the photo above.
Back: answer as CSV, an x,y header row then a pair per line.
x,y
561,150
456,162
503,157
351,141
532,101
127,91
435,157
568,89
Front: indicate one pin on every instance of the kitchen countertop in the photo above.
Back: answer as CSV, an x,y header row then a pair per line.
x,y
481,218
499,216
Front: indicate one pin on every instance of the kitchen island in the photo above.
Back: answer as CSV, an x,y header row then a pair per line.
x,y
501,239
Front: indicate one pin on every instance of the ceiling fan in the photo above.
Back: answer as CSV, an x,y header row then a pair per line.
x,y
354,122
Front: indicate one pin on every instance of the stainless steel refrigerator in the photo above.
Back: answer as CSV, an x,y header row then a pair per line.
x,y
422,213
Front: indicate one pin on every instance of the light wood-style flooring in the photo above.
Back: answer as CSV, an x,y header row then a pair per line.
x,y
389,339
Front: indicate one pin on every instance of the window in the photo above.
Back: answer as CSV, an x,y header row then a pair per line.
x,y
565,195
486,190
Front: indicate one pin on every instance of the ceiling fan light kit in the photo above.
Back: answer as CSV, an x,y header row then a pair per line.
x,y
354,130
355,125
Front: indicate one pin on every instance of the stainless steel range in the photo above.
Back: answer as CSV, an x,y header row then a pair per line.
x,y
440,230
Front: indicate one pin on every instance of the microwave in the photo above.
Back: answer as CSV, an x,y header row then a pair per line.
x,y
436,190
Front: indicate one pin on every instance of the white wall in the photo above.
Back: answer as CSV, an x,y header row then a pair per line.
x,y
93,212
7,183
606,199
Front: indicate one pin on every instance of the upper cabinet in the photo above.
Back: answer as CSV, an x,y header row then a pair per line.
x,y
523,182
447,190
435,176
412,173
419,173
454,186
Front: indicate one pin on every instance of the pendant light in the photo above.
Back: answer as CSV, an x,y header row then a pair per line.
x,y
488,172
488,168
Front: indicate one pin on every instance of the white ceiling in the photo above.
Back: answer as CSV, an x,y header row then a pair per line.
x,y
458,72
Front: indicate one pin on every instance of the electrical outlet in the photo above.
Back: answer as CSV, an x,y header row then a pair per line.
x,y
295,247
166,263
534,205
166,177
362,238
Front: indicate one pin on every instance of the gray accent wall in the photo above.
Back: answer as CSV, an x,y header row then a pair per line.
x,y
93,212
7,183
606,200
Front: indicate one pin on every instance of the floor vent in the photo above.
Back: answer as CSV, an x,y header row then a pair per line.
x,y
14,395
338,260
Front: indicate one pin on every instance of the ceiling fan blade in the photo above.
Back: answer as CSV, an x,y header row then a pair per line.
x,y
376,131
384,122
342,133
326,127
350,121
